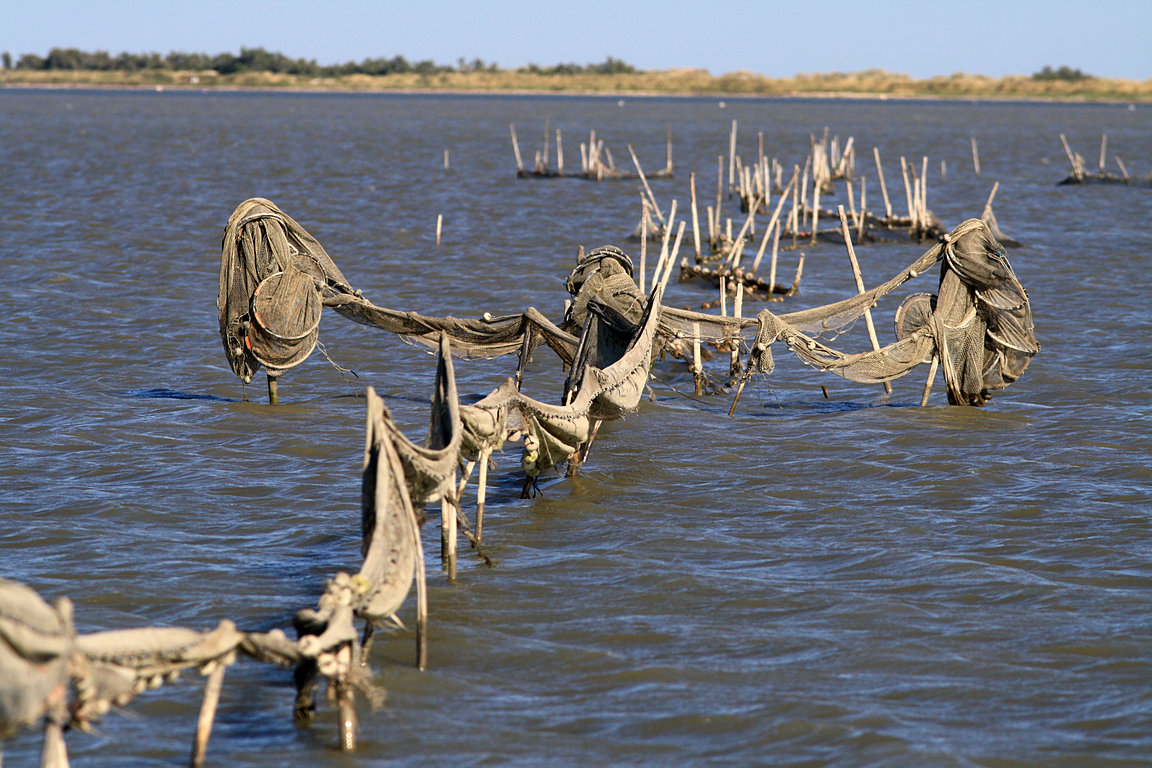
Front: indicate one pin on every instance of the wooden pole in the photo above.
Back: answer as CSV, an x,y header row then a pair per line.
x,y
719,189
421,600
731,158
931,378
481,492
883,186
516,148
924,193
446,168
559,153
975,157
644,181
908,191
273,391
791,188
439,226
448,535
863,209
1122,167
346,706
672,257
208,705
860,287
695,218
991,195
772,265
643,243
665,261
1103,150
697,366
668,154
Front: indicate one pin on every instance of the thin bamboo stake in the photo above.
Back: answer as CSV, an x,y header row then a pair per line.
x,y
644,181
668,154
975,157
711,228
697,366
481,491
924,193
547,136
908,191
860,287
1103,150
931,379
448,536
273,391
208,705
883,186
732,158
719,188
816,184
661,265
991,195
559,153
643,244
1121,166
446,168
1077,168
723,296
671,258
439,226
346,706
775,219
421,599
863,209
583,158
695,218
772,265
516,148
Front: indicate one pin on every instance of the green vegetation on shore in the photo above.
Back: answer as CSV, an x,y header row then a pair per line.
x,y
256,68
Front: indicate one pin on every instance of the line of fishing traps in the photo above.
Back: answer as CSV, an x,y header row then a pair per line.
x,y
275,279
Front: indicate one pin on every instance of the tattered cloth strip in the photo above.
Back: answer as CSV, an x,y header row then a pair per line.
x,y
979,324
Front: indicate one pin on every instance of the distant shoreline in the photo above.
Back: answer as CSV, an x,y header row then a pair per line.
x,y
672,83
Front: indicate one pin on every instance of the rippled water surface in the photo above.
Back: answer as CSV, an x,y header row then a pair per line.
x,y
849,581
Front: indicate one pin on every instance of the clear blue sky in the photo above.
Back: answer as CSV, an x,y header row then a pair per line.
x,y
1109,38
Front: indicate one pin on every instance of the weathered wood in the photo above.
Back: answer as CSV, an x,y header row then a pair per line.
x,y
516,148
208,705
931,379
975,157
695,218
883,186
860,287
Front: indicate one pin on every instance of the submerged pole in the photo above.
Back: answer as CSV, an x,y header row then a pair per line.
x,y
273,394
211,699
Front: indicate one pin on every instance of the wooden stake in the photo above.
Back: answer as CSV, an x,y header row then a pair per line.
x,y
908,191
273,391
772,266
697,366
695,218
931,379
446,168
774,221
883,186
860,287
732,158
991,195
448,535
668,154
516,148
644,181
346,705
975,157
643,244
481,492
439,226
208,705
671,258
1103,150
665,263
863,209
559,153
719,188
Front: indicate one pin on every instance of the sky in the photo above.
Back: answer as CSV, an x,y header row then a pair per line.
x,y
921,38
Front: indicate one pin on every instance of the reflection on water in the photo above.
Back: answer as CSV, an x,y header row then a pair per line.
x,y
844,581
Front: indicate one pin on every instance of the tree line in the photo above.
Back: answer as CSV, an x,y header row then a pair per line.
x,y
261,60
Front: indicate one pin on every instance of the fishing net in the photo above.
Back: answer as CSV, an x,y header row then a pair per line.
x,y
979,324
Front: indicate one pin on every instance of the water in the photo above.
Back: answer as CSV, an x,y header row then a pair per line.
x,y
851,581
